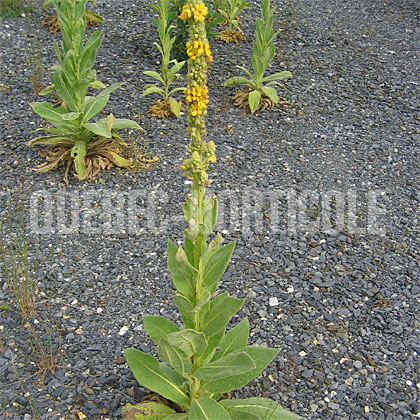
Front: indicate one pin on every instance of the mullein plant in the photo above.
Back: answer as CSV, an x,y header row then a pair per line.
x,y
199,360
169,105
231,14
74,141
259,92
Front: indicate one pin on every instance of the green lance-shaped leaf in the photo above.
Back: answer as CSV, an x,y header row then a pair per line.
x,y
189,342
78,153
88,54
184,275
100,128
234,340
51,114
93,106
212,344
210,213
170,355
254,99
186,310
178,416
263,408
175,107
64,90
146,370
232,364
207,409
146,411
237,80
153,89
222,308
261,356
158,327
271,93
242,415
94,17
120,123
215,265
278,76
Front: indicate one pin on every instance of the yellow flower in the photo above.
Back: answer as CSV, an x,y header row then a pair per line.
x,y
200,11
207,51
186,12
195,49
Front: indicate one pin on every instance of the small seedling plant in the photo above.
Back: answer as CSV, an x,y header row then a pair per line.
x,y
168,74
231,14
200,360
74,139
260,93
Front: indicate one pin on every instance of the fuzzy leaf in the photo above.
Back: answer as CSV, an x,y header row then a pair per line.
x,y
170,355
155,75
254,98
96,84
49,89
215,265
232,364
147,372
93,106
99,128
120,123
175,107
51,114
184,275
222,308
261,356
188,341
278,76
237,80
78,153
94,17
235,339
153,89
207,409
263,408
158,327
271,93
64,89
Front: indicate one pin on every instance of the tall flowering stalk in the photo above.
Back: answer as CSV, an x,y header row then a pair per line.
x,y
200,360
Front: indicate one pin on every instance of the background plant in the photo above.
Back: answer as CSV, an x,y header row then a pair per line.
x,y
86,146
14,8
231,13
18,268
168,75
260,92
200,360
35,64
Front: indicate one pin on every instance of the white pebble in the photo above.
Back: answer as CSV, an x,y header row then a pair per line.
x,y
273,301
123,330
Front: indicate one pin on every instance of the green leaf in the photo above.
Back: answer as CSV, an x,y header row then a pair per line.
x,y
207,409
235,339
158,327
153,89
170,355
64,90
78,153
188,341
51,114
254,98
263,408
236,80
99,128
47,90
233,364
278,76
184,275
120,123
88,53
96,84
215,265
222,308
149,410
110,89
186,310
212,344
242,415
47,140
175,107
94,17
155,76
210,213
261,356
93,106
147,372
71,116
271,93
179,416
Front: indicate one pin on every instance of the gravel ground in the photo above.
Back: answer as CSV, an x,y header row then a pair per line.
x,y
339,299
